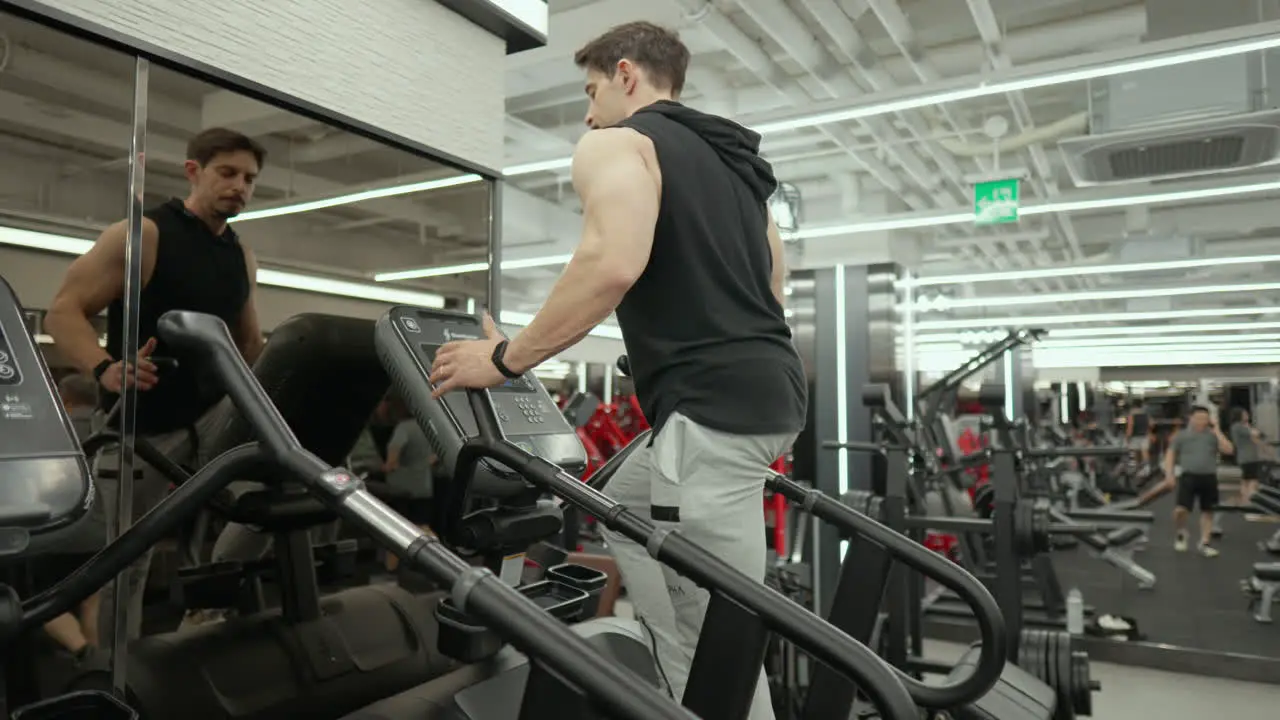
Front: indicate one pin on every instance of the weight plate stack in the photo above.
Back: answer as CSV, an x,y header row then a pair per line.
x,y
1024,537
1040,530
1081,683
1063,676
983,500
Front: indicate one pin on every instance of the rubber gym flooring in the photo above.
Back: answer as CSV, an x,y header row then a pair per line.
x,y
1197,601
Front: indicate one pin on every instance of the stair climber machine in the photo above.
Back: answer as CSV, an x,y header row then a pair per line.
x,y
512,436
45,492
983,686
569,676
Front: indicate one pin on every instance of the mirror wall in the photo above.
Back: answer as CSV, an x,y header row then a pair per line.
x,y
252,212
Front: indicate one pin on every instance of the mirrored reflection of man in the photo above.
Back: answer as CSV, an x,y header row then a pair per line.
x,y
191,260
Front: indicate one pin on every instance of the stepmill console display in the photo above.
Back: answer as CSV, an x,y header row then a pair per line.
x,y
44,479
407,339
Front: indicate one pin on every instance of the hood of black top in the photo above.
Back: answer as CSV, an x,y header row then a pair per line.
x,y
737,146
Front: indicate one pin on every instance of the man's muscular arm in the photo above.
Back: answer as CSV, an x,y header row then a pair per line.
x,y
248,331
620,199
779,277
94,281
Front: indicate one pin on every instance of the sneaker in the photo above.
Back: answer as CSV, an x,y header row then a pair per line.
x,y
196,618
1180,544
1208,551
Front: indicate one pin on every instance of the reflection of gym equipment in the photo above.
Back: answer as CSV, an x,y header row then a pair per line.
x,y
45,492
1264,586
741,613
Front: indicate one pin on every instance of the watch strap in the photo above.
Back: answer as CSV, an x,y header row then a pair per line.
x,y
500,351
101,368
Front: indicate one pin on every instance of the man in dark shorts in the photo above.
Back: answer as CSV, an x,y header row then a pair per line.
x,y
191,260
1195,450
677,237
1245,438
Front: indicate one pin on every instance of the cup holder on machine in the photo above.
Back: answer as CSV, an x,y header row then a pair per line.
x,y
82,705
464,639
580,577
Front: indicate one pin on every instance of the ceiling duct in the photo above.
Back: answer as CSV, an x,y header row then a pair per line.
x,y
1203,118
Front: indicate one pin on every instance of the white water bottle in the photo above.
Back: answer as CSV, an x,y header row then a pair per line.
x,y
1075,612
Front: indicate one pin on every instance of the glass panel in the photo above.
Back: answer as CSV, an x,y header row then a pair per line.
x,y
340,227
66,120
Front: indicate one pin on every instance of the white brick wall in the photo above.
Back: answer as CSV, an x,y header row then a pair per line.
x,y
411,67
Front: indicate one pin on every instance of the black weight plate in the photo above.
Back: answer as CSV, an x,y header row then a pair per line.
x,y
1062,671
1050,667
1083,680
1035,653
1024,660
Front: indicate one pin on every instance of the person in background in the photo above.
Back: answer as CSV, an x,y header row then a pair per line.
x,y
1196,450
77,633
1245,438
1137,430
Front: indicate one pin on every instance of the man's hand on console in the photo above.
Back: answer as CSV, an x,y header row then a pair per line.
x,y
464,364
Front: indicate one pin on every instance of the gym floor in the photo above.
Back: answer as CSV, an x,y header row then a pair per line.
x,y
1197,601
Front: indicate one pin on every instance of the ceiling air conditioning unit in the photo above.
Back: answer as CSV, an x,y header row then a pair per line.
x,y
1202,118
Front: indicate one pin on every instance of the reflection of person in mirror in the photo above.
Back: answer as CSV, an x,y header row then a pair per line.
x,y
191,260
1195,451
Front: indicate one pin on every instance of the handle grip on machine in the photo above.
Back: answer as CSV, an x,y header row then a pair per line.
x,y
476,590
624,366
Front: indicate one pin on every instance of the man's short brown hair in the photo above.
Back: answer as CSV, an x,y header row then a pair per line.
x,y
215,141
652,47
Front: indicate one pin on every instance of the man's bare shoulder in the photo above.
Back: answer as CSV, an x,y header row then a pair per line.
x,y
609,141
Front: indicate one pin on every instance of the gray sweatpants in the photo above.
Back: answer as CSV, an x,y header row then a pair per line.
x,y
717,481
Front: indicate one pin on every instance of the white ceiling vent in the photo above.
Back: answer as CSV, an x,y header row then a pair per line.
x,y
1198,147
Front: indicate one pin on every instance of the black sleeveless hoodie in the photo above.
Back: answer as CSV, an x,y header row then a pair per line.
x,y
197,271
705,335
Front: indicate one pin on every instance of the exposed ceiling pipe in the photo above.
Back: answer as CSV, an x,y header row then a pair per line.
x,y
756,59
901,32
992,35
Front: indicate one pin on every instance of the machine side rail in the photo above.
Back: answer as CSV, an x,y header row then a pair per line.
x,y
474,590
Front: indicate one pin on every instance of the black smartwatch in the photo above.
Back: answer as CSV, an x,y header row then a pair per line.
x,y
101,369
499,351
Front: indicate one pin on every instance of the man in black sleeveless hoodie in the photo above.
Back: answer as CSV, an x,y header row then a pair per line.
x,y
677,238
191,260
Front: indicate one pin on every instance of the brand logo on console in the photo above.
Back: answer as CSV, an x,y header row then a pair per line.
x,y
455,335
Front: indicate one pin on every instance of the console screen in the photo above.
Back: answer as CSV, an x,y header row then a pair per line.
x,y
516,385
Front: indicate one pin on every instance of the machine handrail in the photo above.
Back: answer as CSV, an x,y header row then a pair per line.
x,y
813,634
476,590
986,611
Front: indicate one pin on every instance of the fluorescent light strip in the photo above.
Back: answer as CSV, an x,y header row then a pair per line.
x,y
1106,343
944,362
471,267
983,323
904,222
999,88
973,337
293,281
946,304
1009,389
1064,404
842,400
908,322
1093,270
362,196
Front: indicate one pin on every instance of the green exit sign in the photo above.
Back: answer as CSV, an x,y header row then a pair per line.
x,y
995,202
